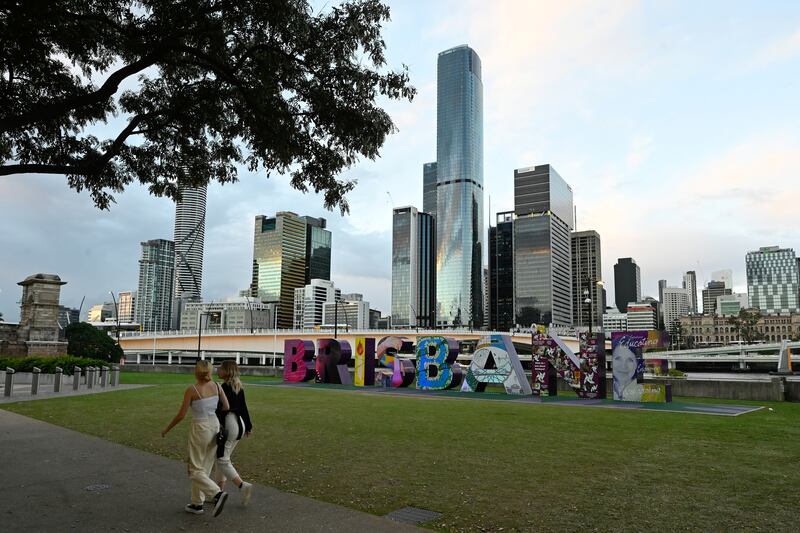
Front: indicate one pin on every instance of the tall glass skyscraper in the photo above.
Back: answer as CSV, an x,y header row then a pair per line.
x,y
459,188
429,188
318,249
501,273
190,224
772,280
413,272
156,277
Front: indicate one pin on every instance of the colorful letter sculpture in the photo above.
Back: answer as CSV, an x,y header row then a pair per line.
x,y
628,367
364,371
496,361
297,357
593,366
388,347
436,363
403,373
332,358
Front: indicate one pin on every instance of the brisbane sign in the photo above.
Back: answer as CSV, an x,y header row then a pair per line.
x,y
431,365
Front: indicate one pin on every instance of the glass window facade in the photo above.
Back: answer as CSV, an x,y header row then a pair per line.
x,y
501,273
459,190
429,188
156,279
413,268
190,223
627,283
772,280
318,249
586,272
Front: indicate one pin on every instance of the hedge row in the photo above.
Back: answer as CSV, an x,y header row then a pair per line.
x,y
49,364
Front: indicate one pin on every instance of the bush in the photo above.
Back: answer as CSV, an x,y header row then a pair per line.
x,y
48,364
675,373
85,340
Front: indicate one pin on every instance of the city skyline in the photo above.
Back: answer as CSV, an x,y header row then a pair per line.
x,y
632,103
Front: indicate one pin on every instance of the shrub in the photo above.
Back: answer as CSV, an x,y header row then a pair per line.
x,y
85,340
48,364
675,373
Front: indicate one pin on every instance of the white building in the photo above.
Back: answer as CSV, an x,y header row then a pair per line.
x,y
642,316
615,321
731,304
353,313
127,305
101,312
677,303
308,302
231,313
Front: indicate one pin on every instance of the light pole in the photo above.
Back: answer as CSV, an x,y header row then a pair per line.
x,y
416,317
200,315
336,318
247,298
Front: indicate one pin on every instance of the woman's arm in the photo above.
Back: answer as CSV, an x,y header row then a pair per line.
x,y
187,398
245,414
224,399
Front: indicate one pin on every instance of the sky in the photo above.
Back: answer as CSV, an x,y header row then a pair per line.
x,y
677,125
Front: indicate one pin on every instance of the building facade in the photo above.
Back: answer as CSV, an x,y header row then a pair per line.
x,y
713,290
189,233
413,267
501,272
318,249
642,316
309,301
542,247
101,312
354,314
429,188
676,304
690,284
716,330
725,276
587,276
731,304
772,280
459,189
127,305
67,316
233,313
627,283
614,321
38,315
156,280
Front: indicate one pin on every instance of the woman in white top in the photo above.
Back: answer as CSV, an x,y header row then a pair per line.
x,y
203,398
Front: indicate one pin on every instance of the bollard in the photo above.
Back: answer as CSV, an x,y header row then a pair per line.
x,y
9,381
89,377
35,381
57,379
103,376
114,376
76,378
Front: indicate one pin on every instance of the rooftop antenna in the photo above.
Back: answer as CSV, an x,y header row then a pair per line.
x,y
391,200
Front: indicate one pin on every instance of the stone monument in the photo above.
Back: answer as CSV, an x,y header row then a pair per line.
x,y
38,321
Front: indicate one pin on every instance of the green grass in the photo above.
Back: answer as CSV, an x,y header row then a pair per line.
x,y
159,378
487,465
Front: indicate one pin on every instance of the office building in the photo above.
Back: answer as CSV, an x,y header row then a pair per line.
x,y
280,260
459,189
126,300
189,233
156,279
413,268
309,300
243,313
772,280
542,247
713,290
374,317
731,304
690,284
642,316
352,313
676,305
709,330
587,276
67,316
501,272
101,312
614,321
318,249
725,276
627,283
429,188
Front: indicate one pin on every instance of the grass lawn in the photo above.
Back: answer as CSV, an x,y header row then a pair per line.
x,y
486,465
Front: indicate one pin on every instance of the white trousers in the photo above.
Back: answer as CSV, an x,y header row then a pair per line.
x,y
223,468
202,453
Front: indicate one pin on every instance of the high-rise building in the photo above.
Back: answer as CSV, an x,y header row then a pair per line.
x,y
318,249
501,273
725,276
627,283
690,283
279,262
156,279
127,305
676,305
190,225
429,188
642,316
772,280
713,290
731,304
459,188
542,247
413,268
349,312
67,316
587,275
614,321
309,301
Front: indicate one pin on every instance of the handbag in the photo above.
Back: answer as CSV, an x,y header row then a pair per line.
x,y
222,434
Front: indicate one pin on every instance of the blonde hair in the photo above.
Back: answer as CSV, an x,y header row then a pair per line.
x,y
203,370
231,370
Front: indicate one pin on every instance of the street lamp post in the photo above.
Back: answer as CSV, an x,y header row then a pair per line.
x,y
336,318
247,298
200,315
416,317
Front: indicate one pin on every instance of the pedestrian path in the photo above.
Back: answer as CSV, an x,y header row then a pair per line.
x,y
22,392
55,479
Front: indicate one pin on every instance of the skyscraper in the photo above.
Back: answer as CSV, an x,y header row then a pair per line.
x,y
309,300
190,224
542,247
156,282
627,283
413,268
459,188
429,188
690,284
772,280
279,262
127,305
676,304
587,271
318,249
713,290
501,273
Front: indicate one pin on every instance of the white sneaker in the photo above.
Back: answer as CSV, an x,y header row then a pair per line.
x,y
247,492
194,509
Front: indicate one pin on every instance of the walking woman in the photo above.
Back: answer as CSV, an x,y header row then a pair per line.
x,y
203,397
238,425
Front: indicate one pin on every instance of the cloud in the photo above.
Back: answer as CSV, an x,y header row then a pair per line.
x,y
781,49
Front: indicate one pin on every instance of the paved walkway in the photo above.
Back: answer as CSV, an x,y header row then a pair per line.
x,y
55,479
22,392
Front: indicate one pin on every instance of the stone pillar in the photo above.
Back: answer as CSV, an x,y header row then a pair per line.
x,y
103,376
76,378
9,385
57,379
35,381
38,319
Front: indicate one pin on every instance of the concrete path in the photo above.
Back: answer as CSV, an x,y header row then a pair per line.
x,y
22,392
55,479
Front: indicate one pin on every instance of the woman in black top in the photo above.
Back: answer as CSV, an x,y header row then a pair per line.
x,y
237,423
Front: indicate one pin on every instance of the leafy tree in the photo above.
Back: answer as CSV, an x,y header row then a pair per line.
x,y
745,324
179,92
85,340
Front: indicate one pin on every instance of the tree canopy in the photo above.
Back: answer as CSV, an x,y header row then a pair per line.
x,y
85,340
745,324
178,92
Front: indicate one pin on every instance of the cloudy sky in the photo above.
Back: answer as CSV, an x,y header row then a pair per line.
x,y
677,124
